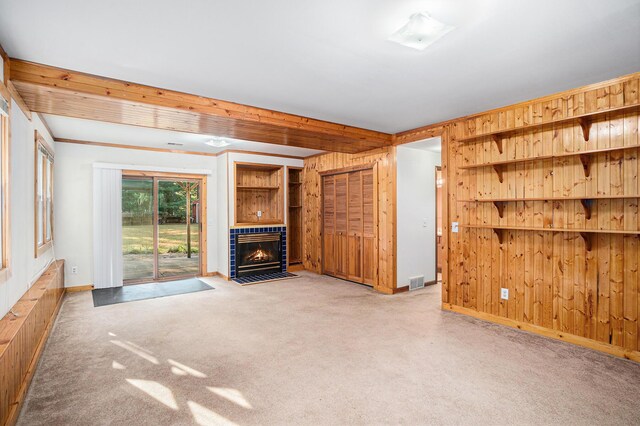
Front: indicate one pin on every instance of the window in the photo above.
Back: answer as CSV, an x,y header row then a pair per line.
x,y
4,179
43,195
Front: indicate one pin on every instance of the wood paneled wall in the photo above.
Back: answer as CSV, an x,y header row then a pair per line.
x,y
579,286
385,160
22,338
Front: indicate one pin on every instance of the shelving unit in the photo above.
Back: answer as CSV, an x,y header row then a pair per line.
x,y
585,121
586,201
294,222
586,234
259,195
586,158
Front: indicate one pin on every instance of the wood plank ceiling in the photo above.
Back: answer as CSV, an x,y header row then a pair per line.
x,y
52,90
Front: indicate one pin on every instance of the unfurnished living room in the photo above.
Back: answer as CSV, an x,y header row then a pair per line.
x,y
286,212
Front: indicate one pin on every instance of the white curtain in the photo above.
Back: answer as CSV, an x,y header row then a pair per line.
x,y
107,227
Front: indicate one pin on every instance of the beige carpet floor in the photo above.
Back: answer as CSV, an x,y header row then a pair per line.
x,y
312,351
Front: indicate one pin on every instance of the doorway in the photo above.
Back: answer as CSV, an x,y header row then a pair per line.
x,y
161,227
439,183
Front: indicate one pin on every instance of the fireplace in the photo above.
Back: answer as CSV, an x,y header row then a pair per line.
x,y
258,253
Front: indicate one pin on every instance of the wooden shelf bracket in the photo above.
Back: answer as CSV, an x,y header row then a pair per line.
x,y
587,204
500,205
500,234
585,123
585,159
587,240
498,140
498,170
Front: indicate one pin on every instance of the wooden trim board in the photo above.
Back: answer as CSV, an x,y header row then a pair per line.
x,y
22,338
52,90
78,288
554,334
174,151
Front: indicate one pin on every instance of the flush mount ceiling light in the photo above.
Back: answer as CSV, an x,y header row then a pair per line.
x,y
217,142
421,31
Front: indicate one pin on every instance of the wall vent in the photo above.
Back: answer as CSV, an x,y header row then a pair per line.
x,y
416,283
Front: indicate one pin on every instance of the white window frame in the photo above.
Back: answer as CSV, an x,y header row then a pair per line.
x,y
5,112
43,195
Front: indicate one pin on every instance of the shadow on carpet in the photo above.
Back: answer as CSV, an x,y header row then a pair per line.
x,y
131,293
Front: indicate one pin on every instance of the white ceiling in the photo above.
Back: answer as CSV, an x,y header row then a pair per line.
x,y
329,59
431,144
96,131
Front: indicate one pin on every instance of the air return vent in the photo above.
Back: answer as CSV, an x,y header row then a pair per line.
x,y
416,282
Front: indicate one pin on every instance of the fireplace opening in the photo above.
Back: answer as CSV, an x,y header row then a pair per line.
x,y
258,254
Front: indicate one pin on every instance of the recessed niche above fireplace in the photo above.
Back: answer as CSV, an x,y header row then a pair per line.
x,y
257,251
258,194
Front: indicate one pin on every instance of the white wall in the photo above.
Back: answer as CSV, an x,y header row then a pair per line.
x,y
24,268
223,215
416,192
74,200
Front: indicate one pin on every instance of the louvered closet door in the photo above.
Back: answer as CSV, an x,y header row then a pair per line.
x,y
341,252
369,264
354,233
329,229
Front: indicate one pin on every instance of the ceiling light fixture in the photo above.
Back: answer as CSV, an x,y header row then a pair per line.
x,y
421,31
217,142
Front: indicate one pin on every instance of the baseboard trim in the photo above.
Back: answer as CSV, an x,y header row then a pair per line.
x,y
78,288
216,274
406,287
554,334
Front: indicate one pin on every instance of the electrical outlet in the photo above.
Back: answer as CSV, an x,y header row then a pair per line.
x,y
259,213
504,293
454,227
425,222
74,269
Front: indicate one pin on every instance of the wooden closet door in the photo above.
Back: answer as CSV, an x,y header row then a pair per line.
x,y
329,228
369,256
354,232
341,199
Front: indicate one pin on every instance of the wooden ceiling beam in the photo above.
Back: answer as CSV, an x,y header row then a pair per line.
x,y
51,90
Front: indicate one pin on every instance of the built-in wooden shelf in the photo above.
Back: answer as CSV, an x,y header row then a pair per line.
x,y
586,158
294,217
549,157
265,188
259,195
577,197
258,223
531,228
585,121
586,201
586,234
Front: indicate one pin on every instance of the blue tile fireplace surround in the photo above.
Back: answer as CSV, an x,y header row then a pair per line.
x,y
234,232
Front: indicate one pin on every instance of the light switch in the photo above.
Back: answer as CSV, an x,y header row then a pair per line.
x,y
454,227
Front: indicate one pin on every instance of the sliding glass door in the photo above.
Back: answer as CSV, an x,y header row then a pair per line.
x,y
137,229
178,228
160,228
